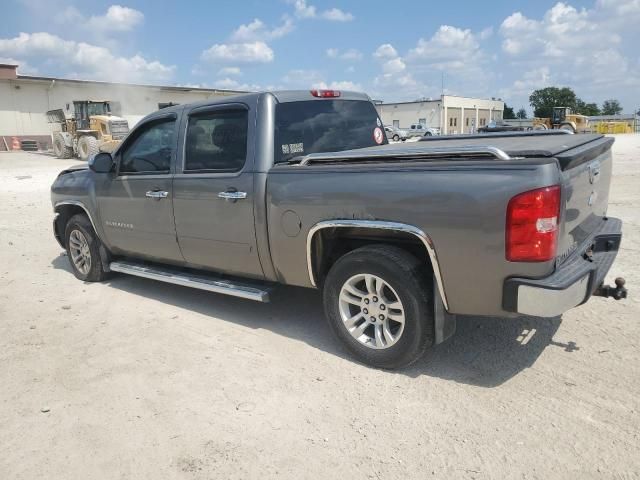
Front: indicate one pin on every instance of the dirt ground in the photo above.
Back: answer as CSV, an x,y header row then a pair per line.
x,y
137,379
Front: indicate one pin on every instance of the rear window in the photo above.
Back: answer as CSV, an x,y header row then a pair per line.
x,y
325,126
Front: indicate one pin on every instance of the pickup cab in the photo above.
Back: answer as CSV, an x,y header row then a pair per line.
x,y
239,194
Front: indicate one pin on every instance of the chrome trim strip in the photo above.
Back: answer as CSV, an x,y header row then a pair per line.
x,y
418,153
544,302
78,204
210,285
399,227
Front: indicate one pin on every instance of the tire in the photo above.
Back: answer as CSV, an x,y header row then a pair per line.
x,y
540,127
79,229
60,149
396,137
568,127
427,134
405,280
87,147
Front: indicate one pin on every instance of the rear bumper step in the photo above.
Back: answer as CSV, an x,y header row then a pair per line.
x,y
574,281
201,282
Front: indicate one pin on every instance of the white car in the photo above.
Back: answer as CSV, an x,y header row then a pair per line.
x,y
420,130
394,133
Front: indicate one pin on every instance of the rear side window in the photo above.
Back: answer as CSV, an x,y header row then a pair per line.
x,y
324,126
216,141
152,149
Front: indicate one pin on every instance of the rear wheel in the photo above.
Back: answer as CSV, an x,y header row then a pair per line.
x,y
378,304
568,127
60,149
87,147
83,249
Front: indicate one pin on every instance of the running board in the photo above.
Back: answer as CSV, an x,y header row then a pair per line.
x,y
177,277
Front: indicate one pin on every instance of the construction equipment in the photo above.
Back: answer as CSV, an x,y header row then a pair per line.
x,y
562,118
91,129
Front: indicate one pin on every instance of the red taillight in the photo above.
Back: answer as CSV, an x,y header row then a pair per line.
x,y
532,225
325,93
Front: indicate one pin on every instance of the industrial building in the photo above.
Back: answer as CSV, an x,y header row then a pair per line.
x,y
449,113
25,99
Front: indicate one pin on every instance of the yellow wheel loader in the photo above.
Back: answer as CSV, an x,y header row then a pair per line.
x,y
562,119
91,129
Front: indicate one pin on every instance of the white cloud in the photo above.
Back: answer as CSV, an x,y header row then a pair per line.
x,y
257,30
337,15
116,19
385,50
395,65
349,54
230,71
486,33
450,48
249,52
338,85
584,49
88,61
304,10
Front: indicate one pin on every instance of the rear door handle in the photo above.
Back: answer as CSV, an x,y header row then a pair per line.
x,y
232,195
157,194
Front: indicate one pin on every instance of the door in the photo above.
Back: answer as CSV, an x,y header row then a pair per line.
x,y
213,192
135,204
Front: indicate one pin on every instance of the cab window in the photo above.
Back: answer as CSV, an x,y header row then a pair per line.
x,y
152,149
216,141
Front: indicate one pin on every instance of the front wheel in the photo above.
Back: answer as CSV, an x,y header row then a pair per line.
x,y
83,249
396,137
378,303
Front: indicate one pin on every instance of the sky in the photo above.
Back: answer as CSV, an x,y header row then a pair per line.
x,y
394,51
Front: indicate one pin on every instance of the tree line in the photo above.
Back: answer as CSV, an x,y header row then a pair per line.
x,y
543,100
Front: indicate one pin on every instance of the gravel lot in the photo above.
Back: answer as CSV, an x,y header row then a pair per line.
x,y
137,379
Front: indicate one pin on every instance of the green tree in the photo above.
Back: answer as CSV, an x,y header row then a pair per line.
x,y
522,113
544,99
589,109
508,112
611,107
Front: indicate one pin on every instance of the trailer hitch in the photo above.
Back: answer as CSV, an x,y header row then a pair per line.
x,y
618,292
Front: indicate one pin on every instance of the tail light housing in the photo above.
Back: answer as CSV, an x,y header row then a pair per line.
x,y
325,93
532,225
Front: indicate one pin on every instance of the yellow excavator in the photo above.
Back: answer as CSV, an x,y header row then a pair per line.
x,y
91,129
562,118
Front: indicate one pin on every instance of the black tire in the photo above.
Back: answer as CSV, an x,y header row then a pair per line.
x,y
96,272
409,278
427,134
87,147
396,137
60,149
568,127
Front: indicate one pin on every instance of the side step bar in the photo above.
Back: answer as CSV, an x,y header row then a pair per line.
x,y
177,277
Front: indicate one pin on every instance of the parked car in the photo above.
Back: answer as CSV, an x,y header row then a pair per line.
x,y
419,130
499,126
394,133
238,194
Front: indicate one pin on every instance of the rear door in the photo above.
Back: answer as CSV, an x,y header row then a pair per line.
x,y
135,204
213,190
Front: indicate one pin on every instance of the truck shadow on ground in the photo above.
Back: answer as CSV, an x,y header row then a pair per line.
x,y
484,351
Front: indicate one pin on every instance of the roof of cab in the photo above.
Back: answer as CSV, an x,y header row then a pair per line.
x,y
282,96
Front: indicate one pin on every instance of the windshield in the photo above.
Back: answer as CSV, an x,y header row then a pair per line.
x,y
325,126
97,108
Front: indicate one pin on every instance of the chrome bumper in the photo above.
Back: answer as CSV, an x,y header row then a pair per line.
x,y
572,283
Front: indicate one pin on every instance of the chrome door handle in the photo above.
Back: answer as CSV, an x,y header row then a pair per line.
x,y
232,195
157,194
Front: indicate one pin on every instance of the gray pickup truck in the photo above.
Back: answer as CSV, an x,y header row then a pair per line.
x,y
239,194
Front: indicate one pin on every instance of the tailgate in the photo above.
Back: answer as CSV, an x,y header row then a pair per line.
x,y
586,177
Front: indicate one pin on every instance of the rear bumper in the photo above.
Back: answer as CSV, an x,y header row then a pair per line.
x,y
572,283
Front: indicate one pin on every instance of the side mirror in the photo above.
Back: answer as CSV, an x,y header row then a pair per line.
x,y
101,163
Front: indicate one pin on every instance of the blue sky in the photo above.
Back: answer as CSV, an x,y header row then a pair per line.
x,y
393,52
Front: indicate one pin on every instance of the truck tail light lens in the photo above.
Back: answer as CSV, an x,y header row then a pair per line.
x,y
325,93
532,225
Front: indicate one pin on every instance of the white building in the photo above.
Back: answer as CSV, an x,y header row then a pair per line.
x,y
25,99
449,113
